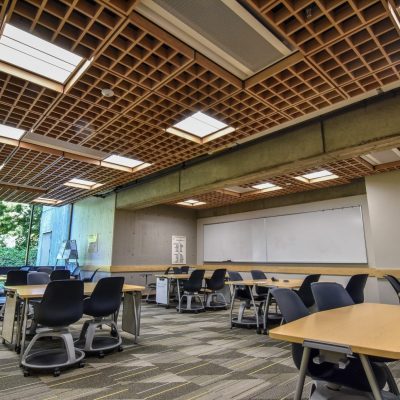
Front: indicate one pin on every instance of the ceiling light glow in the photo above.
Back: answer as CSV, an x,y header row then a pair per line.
x,y
11,132
82,184
44,200
191,203
267,187
317,176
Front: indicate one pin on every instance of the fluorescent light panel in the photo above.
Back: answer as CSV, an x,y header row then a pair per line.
x,y
267,187
200,126
317,176
191,203
123,161
82,184
27,51
11,132
44,200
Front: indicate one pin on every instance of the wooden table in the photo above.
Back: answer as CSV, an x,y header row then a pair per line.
x,y
366,329
270,283
132,295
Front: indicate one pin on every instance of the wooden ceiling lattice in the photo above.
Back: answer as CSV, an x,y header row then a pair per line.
x,y
342,49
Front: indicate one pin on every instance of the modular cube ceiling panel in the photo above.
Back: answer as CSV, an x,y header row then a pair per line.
x,y
341,49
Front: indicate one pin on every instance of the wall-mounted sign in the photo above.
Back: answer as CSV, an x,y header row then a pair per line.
x,y
92,243
178,249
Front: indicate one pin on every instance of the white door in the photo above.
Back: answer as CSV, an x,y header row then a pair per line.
x,y
45,249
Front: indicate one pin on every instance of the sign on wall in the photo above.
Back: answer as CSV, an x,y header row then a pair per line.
x,y
92,243
178,249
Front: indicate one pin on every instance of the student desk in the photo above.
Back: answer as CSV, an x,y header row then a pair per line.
x,y
132,302
278,283
163,291
352,328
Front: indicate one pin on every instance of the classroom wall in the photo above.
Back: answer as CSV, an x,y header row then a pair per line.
x,y
94,216
55,223
144,237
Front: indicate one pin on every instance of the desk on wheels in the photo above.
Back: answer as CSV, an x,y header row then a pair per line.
x,y
163,287
269,283
352,327
130,317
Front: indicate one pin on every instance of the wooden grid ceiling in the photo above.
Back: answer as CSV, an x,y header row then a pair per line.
x,y
345,170
342,48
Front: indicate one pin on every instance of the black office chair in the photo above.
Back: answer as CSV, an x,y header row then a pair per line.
x,y
45,269
247,301
191,289
38,278
355,287
61,306
184,269
213,284
26,268
331,295
90,279
260,291
353,376
102,305
60,274
16,278
395,284
304,291
76,273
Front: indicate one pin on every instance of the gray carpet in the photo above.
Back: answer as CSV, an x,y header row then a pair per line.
x,y
179,356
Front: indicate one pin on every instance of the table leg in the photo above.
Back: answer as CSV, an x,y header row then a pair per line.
x,y
255,309
266,310
371,377
232,303
135,315
179,295
23,327
302,373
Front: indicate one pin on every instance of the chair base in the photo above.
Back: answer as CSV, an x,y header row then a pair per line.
x,y
213,303
52,359
323,392
92,343
191,305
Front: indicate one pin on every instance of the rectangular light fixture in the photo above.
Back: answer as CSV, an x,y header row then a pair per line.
x,y
10,132
200,128
267,187
36,55
124,163
44,200
318,176
82,184
191,203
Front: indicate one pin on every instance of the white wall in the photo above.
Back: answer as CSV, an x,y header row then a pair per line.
x,y
94,215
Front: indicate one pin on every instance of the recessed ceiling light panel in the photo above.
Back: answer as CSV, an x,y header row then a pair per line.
x,y
200,128
44,200
124,161
11,132
82,184
191,203
27,51
267,187
317,176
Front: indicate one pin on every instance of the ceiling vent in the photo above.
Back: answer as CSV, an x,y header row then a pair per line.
x,y
222,30
382,157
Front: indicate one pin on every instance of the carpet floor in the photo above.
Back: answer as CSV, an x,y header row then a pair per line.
x,y
178,356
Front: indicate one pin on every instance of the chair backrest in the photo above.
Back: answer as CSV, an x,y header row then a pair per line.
x,y
355,287
106,297
16,278
61,305
195,281
394,282
27,268
234,276
38,278
305,289
60,274
184,269
290,304
330,295
257,274
45,269
241,292
217,280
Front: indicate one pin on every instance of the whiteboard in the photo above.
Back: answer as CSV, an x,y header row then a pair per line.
x,y
329,236
324,236
238,241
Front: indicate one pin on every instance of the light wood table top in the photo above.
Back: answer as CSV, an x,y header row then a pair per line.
x,y
207,275
370,329
280,283
36,291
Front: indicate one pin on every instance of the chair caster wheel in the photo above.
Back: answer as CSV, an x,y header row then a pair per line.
x,y
101,355
166,307
56,373
114,333
81,364
259,331
26,373
120,348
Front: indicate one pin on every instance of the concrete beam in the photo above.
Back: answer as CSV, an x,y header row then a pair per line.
x,y
371,126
